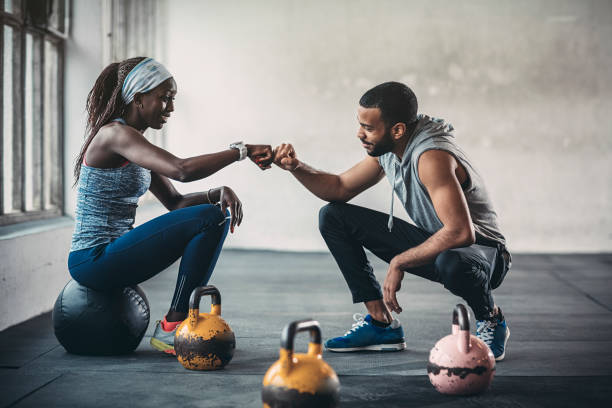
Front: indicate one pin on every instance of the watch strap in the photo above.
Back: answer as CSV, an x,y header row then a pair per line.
x,y
241,149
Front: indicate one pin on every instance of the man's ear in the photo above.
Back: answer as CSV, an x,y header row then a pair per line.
x,y
398,130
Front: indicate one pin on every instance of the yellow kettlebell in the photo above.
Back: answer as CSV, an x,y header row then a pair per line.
x,y
300,380
204,341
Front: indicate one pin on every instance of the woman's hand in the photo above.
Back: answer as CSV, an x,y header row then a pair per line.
x,y
261,155
229,199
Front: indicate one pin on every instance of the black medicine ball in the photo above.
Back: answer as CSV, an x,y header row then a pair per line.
x,y
92,322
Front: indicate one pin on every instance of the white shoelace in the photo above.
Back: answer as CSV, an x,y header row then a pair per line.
x,y
485,331
359,322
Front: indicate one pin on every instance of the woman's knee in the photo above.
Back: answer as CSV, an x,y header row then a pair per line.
x,y
210,214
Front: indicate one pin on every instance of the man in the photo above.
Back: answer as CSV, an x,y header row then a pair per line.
x,y
456,240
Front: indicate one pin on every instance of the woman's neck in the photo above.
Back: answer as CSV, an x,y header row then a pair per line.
x,y
132,118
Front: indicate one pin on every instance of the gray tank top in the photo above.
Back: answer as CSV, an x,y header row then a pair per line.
x,y
106,203
435,134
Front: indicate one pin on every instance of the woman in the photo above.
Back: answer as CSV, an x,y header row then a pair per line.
x,y
117,165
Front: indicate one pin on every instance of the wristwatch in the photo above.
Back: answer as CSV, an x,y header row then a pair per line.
x,y
241,148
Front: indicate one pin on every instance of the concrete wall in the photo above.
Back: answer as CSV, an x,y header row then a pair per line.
x,y
527,85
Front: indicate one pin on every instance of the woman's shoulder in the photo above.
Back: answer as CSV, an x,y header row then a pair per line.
x,y
117,131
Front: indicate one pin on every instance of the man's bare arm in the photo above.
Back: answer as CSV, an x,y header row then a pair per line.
x,y
327,186
437,173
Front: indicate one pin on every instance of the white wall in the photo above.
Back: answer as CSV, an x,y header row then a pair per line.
x,y
527,85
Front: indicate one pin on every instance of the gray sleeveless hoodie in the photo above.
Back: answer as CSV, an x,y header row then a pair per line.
x,y
435,134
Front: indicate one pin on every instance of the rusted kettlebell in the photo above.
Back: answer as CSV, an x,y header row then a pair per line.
x,y
204,341
460,363
300,380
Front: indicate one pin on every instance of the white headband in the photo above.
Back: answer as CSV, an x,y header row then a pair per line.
x,y
142,78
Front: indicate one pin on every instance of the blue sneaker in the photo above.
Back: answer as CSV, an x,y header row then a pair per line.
x,y
366,336
495,334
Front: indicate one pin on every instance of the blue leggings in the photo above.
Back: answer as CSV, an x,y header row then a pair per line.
x,y
195,233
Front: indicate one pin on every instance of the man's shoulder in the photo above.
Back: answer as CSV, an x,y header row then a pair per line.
x,y
435,154
435,164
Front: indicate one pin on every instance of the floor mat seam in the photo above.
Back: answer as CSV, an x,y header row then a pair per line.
x,y
18,400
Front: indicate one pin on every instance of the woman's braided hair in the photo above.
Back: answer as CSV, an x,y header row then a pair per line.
x,y
104,103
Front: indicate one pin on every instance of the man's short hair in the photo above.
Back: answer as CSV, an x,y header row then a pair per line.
x,y
397,103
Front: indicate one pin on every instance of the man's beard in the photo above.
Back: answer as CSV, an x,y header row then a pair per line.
x,y
384,146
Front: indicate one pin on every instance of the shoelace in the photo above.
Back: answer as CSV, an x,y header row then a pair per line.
x,y
359,322
485,331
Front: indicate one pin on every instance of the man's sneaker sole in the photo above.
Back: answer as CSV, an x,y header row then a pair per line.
x,y
374,347
161,346
501,357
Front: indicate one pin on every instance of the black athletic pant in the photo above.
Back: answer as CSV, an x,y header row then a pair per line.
x,y
466,272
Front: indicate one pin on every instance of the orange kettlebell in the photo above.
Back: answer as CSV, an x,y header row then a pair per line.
x,y
300,380
204,341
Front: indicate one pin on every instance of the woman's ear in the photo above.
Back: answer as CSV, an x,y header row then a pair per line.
x,y
138,100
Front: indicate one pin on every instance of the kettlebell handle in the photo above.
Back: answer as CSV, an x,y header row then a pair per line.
x,y
461,327
194,302
460,317
293,328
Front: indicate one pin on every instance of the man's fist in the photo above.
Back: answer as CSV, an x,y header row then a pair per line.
x,y
285,157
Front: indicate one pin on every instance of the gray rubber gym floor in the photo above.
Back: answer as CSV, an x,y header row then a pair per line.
x,y
559,309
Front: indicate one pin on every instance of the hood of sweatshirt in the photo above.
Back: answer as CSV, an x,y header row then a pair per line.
x,y
427,127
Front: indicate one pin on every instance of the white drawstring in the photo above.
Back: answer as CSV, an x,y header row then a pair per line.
x,y
390,222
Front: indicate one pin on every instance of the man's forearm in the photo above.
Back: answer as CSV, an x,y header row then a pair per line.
x,y
324,185
427,252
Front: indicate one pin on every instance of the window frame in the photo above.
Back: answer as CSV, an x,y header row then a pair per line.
x,y
23,25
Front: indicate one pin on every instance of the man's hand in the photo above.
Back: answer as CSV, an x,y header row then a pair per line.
x,y
393,283
285,157
229,199
261,155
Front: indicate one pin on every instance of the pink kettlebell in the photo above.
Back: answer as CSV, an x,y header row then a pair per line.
x,y
461,364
